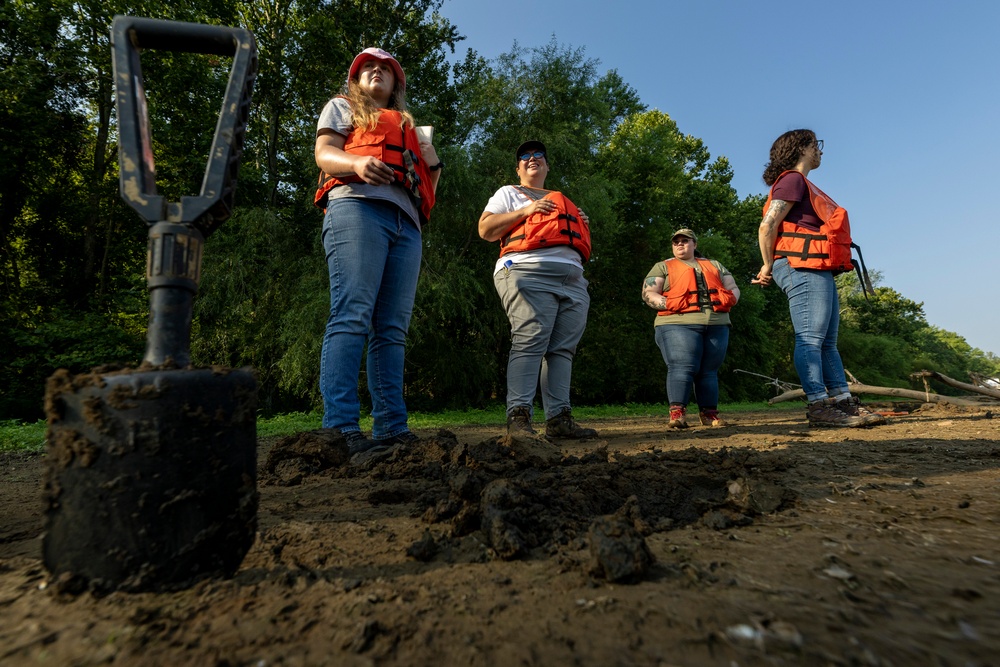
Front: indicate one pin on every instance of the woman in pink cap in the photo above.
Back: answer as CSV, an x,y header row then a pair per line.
x,y
377,184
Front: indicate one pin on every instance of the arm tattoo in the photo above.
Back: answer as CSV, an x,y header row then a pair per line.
x,y
652,298
656,301
774,211
777,206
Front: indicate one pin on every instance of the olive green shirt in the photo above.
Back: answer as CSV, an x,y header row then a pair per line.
x,y
707,315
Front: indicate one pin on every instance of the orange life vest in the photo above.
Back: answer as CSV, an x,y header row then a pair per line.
x,y
395,146
563,226
682,292
829,249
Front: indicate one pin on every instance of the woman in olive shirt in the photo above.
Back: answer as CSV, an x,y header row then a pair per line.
x,y
693,296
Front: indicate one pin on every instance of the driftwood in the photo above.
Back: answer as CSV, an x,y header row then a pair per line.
x,y
985,391
858,388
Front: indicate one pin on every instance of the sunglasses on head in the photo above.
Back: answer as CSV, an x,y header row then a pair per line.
x,y
524,157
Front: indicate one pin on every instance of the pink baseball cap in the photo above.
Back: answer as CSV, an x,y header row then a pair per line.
x,y
372,52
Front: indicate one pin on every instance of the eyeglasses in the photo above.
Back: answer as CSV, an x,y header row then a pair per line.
x,y
681,240
538,155
819,144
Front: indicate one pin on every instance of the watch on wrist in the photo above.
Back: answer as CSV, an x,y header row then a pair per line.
x,y
439,165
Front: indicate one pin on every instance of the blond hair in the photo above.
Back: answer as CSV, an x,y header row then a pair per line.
x,y
366,112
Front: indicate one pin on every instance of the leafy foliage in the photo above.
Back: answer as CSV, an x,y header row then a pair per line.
x,y
72,255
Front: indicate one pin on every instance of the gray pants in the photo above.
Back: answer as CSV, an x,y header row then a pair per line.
x,y
547,307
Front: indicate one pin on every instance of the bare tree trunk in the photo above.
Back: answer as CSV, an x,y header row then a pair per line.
x,y
993,393
96,228
858,388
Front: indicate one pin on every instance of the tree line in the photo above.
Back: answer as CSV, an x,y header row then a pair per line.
x,y
72,255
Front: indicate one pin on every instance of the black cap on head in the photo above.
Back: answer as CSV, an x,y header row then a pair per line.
x,y
529,146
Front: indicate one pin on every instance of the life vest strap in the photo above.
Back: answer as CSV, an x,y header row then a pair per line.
x,y
807,240
800,235
862,271
803,255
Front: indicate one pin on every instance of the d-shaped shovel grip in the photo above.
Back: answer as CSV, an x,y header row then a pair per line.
x,y
214,204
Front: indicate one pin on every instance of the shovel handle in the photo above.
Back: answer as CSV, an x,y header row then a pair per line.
x,y
214,204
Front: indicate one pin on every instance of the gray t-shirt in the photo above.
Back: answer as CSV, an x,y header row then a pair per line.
x,y
337,116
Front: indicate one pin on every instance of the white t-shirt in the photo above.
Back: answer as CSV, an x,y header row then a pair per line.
x,y
508,199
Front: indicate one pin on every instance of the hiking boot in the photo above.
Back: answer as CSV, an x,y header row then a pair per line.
x,y
853,407
826,413
711,418
564,426
678,417
519,421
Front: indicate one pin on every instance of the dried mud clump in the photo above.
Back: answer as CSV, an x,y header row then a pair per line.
x,y
618,550
300,454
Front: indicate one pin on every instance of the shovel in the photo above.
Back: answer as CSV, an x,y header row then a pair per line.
x,y
150,480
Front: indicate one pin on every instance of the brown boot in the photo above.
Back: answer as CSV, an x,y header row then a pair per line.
x,y
519,421
826,413
853,406
564,426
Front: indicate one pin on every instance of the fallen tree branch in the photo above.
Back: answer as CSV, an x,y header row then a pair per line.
x,y
775,382
980,381
993,393
858,388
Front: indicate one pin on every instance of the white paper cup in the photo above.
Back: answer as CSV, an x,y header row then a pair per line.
x,y
425,133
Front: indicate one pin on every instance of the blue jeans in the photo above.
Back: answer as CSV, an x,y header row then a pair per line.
x,y
373,256
693,354
815,309
547,305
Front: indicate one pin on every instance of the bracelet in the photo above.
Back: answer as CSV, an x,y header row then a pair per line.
x,y
439,165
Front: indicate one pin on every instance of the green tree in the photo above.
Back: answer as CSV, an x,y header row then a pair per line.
x,y
460,335
264,297
72,255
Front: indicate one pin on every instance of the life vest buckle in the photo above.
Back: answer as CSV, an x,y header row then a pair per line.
x,y
412,179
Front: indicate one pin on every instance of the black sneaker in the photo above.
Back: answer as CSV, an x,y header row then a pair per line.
x,y
404,438
378,450
375,448
826,413
519,421
564,426
357,442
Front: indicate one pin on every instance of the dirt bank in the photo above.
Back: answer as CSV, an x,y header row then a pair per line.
x,y
763,543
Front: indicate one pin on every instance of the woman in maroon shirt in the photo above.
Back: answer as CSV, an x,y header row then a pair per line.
x,y
812,293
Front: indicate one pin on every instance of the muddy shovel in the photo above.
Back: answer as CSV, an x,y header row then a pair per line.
x,y
151,472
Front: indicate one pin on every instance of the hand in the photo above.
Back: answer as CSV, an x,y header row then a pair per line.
x,y
763,276
584,217
428,153
373,171
539,206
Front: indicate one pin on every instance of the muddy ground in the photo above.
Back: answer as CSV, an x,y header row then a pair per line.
x,y
762,543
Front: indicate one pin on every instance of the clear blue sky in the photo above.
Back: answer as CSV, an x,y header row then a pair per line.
x,y
905,95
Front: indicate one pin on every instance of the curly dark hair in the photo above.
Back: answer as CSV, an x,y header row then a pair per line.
x,y
786,152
